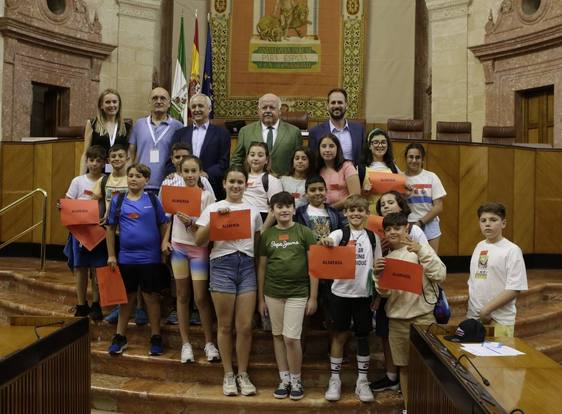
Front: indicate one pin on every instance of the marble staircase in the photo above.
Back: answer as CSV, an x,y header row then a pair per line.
x,y
137,383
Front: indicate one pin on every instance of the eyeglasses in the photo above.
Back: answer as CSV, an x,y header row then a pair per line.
x,y
379,143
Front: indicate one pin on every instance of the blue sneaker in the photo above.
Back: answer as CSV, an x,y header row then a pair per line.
x,y
172,318
156,347
140,317
113,317
118,345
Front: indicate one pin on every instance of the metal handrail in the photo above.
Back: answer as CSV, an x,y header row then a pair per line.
x,y
42,223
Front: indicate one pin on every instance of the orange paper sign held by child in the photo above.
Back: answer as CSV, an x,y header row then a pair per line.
x,y
374,223
74,212
184,199
382,182
112,289
230,226
89,235
402,275
331,262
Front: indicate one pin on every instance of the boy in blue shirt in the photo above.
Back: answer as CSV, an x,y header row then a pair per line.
x,y
142,226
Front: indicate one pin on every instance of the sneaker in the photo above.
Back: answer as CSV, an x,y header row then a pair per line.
x,y
172,318
246,386
186,353
363,391
118,345
82,311
283,390
113,316
140,317
95,312
212,352
385,384
156,347
334,390
195,318
229,387
297,390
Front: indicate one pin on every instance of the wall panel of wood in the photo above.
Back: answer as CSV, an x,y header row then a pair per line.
x,y
548,202
528,181
473,191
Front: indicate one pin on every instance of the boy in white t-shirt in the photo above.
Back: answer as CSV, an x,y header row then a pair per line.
x,y
497,273
350,300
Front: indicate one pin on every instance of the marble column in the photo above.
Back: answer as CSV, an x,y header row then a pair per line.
x,y
448,33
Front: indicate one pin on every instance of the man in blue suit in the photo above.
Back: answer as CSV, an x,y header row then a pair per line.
x,y
350,134
209,142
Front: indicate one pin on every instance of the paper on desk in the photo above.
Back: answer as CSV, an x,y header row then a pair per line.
x,y
491,349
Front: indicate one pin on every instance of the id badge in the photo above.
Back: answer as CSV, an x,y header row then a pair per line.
x,y
108,169
154,156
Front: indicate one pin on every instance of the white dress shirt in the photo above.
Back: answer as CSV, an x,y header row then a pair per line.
x,y
265,130
198,137
344,135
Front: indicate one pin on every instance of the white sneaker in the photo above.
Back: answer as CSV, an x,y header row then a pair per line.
x,y
212,352
363,391
186,353
229,387
334,390
246,386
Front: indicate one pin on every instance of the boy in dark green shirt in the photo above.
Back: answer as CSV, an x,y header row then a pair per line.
x,y
285,290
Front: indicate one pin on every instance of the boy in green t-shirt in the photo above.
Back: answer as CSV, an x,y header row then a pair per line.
x,y
285,290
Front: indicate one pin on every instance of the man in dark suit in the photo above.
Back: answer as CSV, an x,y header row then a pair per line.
x,y
209,142
281,137
350,134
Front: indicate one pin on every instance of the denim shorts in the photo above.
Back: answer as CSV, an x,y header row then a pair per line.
x,y
432,229
233,273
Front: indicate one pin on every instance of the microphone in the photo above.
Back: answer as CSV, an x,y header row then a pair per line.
x,y
44,325
458,362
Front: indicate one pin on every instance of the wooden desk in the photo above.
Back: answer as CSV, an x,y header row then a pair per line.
x,y
530,382
46,375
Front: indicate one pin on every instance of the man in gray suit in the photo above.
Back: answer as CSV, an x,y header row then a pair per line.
x,y
281,137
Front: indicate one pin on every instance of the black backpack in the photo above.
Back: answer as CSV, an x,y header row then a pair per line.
x,y
347,234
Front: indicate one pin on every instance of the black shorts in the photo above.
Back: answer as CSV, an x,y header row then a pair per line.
x,y
381,328
150,277
344,310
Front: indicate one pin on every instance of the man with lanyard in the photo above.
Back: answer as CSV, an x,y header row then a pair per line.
x,y
151,138
350,134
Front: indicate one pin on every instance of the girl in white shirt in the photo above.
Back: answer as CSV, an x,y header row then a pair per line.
x,y
300,169
190,261
233,281
256,194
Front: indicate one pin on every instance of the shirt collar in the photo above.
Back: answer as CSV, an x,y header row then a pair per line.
x,y
275,126
203,127
165,121
332,127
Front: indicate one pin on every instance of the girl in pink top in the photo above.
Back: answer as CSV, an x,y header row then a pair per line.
x,y
342,179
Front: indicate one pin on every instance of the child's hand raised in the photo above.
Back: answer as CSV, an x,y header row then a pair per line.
x,y
111,262
224,210
326,241
411,245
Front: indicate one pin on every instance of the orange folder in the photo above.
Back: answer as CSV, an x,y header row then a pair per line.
x,y
234,225
382,182
402,275
184,199
90,235
331,262
374,223
74,212
112,289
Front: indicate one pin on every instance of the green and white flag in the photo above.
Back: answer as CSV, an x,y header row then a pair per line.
x,y
179,88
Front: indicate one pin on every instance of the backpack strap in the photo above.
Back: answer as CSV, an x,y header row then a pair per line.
x,y
346,234
154,203
118,204
372,239
362,171
103,184
265,181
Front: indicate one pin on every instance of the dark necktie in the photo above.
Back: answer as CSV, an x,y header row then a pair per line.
x,y
269,138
